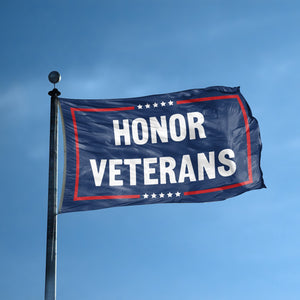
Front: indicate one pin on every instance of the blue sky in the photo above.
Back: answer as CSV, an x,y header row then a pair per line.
x,y
242,248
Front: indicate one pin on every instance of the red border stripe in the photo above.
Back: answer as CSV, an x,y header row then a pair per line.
x,y
247,137
222,188
103,109
73,110
206,99
77,152
76,198
107,197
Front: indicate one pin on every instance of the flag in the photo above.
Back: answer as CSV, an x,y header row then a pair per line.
x,y
192,146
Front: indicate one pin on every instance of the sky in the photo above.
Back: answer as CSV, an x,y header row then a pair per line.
x,y
245,247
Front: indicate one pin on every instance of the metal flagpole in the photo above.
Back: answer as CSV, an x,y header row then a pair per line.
x,y
50,279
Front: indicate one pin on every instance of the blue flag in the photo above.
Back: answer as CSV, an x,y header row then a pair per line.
x,y
192,146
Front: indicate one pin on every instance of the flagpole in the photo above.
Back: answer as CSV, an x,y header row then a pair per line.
x,y
50,277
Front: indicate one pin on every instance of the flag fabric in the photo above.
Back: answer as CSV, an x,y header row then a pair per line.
x,y
193,146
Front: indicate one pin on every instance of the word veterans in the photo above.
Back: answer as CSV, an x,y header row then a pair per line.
x,y
164,170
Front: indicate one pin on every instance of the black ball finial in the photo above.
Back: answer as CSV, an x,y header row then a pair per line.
x,y
54,77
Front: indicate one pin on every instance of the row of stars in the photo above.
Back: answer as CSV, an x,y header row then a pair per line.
x,y
161,195
155,104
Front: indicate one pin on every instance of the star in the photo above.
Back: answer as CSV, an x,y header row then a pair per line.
x,y
146,196
169,194
155,104
161,195
163,103
147,105
170,102
140,106
153,195
178,194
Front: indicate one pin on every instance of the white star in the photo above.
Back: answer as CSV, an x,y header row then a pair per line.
x,y
170,102
163,103
140,106
146,196
178,194
169,194
161,195
155,104
153,195
147,105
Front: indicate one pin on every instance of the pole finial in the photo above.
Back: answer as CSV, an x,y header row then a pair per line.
x,y
54,77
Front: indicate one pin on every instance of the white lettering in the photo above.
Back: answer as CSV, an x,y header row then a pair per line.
x,y
207,165
176,125
159,129
167,165
98,174
193,125
113,172
132,168
148,171
186,169
144,132
182,127
121,132
227,162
